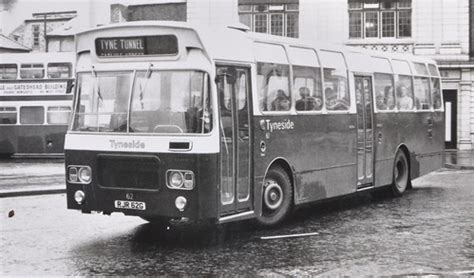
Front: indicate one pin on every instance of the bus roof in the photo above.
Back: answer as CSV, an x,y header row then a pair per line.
x,y
37,57
226,42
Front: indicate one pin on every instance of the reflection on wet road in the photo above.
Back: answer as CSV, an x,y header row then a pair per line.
x,y
429,230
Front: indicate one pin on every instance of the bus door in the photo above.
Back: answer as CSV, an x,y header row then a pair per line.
x,y
235,149
365,132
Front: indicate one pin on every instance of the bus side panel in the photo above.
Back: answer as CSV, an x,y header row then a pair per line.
x,y
32,139
160,200
413,130
8,142
41,139
387,139
429,143
320,148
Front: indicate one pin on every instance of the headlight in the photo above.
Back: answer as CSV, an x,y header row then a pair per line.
x,y
180,179
79,174
85,174
79,196
72,174
180,203
176,179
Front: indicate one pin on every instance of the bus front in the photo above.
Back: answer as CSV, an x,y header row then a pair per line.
x,y
143,139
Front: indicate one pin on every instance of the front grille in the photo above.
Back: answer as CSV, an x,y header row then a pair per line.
x,y
137,172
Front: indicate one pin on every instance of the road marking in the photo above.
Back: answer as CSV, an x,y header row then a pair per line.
x,y
289,236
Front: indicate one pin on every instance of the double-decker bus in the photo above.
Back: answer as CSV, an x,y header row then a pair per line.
x,y
35,102
176,122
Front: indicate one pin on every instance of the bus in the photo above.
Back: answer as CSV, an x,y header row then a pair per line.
x,y
177,122
35,102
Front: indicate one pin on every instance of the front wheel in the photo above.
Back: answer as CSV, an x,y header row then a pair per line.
x,y
277,199
401,174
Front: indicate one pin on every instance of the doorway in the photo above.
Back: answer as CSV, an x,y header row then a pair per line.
x,y
450,108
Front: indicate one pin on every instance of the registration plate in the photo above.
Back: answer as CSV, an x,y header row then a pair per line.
x,y
130,205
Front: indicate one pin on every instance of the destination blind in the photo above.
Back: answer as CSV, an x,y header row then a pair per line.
x,y
137,46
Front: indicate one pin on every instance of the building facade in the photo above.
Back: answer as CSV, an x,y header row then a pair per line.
x,y
33,33
439,29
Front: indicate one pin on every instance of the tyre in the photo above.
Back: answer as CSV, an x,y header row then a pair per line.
x,y
277,199
401,174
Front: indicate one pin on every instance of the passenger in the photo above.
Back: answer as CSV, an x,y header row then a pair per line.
x,y
388,97
333,102
436,99
304,102
281,102
404,101
330,96
380,101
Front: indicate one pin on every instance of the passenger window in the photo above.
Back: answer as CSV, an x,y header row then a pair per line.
x,y
420,69
32,115
336,90
58,115
436,93
32,71
422,93
59,70
384,90
8,71
433,70
273,87
404,93
307,83
8,115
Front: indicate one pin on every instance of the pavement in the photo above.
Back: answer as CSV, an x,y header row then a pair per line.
x,y
25,177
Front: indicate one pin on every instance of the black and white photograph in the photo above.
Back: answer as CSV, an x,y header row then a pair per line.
x,y
256,138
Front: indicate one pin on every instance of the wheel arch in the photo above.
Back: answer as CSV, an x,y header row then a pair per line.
x,y
289,169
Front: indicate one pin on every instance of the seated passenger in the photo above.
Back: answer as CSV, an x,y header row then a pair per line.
x,y
305,103
281,102
388,100
335,103
404,102
380,102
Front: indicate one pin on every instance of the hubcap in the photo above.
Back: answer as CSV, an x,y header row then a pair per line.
x,y
400,175
273,195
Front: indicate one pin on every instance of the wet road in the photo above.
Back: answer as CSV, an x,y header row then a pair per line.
x,y
428,231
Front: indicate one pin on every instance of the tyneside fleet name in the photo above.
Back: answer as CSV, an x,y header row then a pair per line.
x,y
134,144
283,125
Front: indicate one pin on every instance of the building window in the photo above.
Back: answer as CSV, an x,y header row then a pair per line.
x,y
36,34
275,19
379,19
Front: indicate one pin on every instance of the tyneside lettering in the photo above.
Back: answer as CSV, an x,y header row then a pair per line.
x,y
135,144
283,125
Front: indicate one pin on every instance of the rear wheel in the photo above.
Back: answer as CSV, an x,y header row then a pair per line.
x,y
401,174
277,199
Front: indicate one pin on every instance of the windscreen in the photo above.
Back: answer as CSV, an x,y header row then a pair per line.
x,y
143,102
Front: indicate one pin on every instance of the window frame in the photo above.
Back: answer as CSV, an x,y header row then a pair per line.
x,y
12,109
284,9
60,110
32,66
32,106
5,66
355,7
36,35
